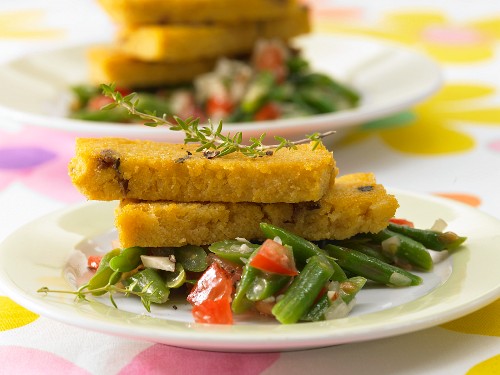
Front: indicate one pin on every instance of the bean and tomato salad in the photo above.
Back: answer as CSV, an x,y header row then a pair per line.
x,y
285,276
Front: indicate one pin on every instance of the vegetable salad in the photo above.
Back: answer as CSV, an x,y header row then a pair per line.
x,y
285,277
274,83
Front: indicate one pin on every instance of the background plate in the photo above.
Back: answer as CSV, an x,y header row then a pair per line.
x,y
390,78
37,255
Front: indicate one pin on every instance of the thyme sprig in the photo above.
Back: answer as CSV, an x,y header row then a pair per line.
x,y
82,292
209,137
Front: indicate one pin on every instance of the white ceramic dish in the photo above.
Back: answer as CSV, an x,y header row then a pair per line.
x,y
37,255
390,78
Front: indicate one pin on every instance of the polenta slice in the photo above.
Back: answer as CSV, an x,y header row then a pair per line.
x,y
140,12
109,65
353,204
190,42
115,168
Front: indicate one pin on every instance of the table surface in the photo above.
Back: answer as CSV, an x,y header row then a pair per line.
x,y
449,146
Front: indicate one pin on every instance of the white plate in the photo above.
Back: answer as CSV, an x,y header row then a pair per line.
x,y
37,255
390,78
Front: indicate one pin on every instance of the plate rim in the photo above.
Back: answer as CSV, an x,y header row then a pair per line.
x,y
322,122
192,336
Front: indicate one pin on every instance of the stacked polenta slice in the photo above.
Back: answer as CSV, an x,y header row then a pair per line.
x,y
170,195
165,42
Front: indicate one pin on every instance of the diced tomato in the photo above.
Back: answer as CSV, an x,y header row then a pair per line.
x,y
270,111
275,258
93,262
233,269
97,102
402,222
271,56
211,297
218,106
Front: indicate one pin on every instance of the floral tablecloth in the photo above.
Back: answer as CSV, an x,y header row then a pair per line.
x,y
449,145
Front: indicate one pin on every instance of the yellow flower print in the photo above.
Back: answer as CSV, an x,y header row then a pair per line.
x,y
14,316
432,31
23,25
430,127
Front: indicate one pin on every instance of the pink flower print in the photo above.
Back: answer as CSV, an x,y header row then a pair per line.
x,y
38,158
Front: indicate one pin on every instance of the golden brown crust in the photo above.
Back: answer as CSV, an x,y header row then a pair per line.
x,y
353,204
115,168
188,42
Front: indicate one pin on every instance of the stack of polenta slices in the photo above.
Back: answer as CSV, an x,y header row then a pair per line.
x,y
171,196
169,42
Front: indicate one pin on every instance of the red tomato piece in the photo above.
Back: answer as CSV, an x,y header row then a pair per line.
x,y
275,258
218,106
97,102
211,297
270,111
402,222
271,56
93,261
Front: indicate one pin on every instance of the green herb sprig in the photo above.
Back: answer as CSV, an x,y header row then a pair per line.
x,y
82,292
209,137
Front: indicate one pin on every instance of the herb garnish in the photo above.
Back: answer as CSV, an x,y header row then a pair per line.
x,y
208,136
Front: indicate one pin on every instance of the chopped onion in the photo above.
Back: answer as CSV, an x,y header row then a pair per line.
x,y
339,309
278,240
399,279
159,263
241,239
439,225
391,244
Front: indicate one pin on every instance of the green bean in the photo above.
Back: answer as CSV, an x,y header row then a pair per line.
x,y
233,250
322,80
347,292
351,287
177,278
371,268
128,259
240,302
149,282
430,239
302,249
193,258
104,273
257,92
266,285
303,291
406,249
365,248
317,100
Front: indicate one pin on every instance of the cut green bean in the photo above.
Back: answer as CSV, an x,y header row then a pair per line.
x,y
302,249
371,268
303,291
177,278
430,239
346,290
104,273
233,250
149,282
192,258
406,249
266,285
128,259
240,302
